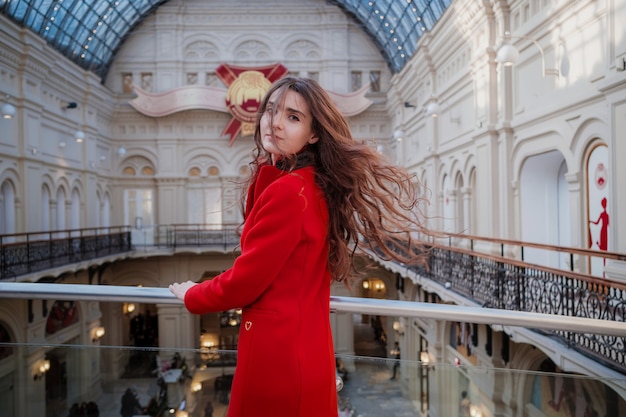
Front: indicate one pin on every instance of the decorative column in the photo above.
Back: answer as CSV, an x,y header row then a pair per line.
x,y
466,195
231,213
113,360
342,327
178,329
617,269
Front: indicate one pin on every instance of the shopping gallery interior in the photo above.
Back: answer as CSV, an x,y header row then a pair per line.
x,y
123,147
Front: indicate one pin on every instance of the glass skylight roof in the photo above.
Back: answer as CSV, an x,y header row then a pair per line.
x,y
90,32
395,25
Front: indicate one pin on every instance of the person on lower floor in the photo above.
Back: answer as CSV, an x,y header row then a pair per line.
x,y
130,404
395,353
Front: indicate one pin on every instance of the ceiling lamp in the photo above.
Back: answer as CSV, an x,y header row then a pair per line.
x,y
42,367
98,333
8,110
508,54
432,109
79,135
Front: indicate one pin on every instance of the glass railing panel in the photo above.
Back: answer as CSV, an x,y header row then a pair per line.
x,y
370,388
93,342
109,381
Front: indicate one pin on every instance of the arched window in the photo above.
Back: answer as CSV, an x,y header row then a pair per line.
x,y
60,209
7,209
106,211
45,207
460,207
75,210
448,204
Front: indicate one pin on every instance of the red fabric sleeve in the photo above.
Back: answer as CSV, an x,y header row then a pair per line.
x,y
274,232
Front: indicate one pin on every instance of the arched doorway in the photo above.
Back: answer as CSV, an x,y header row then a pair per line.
x,y
7,375
141,330
371,332
545,210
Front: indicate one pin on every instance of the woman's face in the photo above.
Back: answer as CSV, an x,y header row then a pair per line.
x,y
286,125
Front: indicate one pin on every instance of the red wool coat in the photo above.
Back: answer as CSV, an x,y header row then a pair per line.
x,y
285,358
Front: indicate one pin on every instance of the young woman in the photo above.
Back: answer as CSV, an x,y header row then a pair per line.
x,y
316,198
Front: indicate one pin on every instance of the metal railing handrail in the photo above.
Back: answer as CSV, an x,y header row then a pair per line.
x,y
61,234
437,237
448,312
526,244
449,241
525,264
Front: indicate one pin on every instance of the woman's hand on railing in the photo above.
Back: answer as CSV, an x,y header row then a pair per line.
x,y
180,289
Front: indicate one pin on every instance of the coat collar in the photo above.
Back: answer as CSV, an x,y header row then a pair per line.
x,y
267,175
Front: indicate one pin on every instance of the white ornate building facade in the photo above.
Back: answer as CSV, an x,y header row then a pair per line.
x,y
525,152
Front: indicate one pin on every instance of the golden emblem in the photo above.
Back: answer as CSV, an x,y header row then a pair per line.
x,y
244,96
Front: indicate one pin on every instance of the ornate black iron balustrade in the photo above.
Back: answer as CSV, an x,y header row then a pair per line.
x,y
497,283
27,253
203,236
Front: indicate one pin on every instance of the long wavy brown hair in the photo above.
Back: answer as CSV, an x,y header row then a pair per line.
x,y
373,205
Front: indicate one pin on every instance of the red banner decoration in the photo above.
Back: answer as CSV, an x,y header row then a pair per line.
x,y
246,89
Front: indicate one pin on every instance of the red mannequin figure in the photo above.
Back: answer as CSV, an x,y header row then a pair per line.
x,y
603,241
